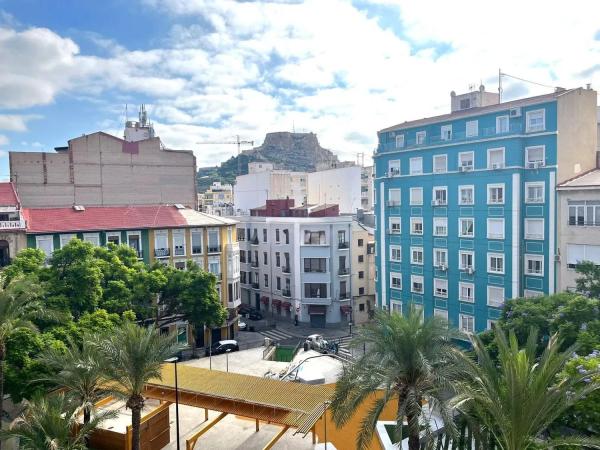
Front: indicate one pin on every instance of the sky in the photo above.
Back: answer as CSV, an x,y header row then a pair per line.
x,y
209,70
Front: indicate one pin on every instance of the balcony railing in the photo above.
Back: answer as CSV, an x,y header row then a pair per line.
x,y
314,270
393,203
179,251
255,286
214,249
140,253
286,269
254,241
343,245
344,271
162,252
317,300
344,295
196,250
12,224
254,263
286,293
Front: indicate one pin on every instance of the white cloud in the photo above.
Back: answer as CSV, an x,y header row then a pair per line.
x,y
3,141
16,122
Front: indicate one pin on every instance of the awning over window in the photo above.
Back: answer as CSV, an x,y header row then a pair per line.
x,y
346,309
286,305
264,300
317,309
276,302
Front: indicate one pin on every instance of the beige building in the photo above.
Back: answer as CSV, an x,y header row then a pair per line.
x,y
367,188
578,226
12,224
103,170
363,272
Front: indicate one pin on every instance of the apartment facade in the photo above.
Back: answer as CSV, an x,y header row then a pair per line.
x,y
363,272
158,233
367,186
296,262
12,224
465,203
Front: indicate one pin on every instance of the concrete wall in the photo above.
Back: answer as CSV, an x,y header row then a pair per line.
x,y
98,170
577,138
253,190
339,186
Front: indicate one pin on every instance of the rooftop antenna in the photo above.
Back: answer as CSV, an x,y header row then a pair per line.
x,y
471,87
499,85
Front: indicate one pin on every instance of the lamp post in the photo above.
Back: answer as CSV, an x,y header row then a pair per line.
x,y
227,358
174,362
326,405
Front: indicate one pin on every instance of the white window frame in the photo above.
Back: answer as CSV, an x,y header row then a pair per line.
x,y
439,285
531,164
417,278
466,252
530,293
392,221
412,254
496,186
395,307
45,237
491,323
197,231
528,114
398,276
535,184
498,165
113,233
415,190
395,249
446,132
466,187
460,227
66,238
499,256
472,159
416,221
178,233
434,200
474,130
414,160
530,236
444,169
495,304
491,235
420,137
436,222
465,319
466,285
395,202
538,258
444,251
394,167
441,313
400,141
499,129
93,238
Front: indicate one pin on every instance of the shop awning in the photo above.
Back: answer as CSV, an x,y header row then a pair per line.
x,y
317,309
276,302
346,309
264,300
286,305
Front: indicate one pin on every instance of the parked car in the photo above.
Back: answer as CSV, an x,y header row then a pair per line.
x,y
316,342
222,347
245,308
255,315
242,326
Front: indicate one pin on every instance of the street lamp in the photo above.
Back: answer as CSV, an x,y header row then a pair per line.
x,y
174,360
326,405
227,358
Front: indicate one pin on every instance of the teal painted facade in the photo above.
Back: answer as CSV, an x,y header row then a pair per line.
x,y
518,249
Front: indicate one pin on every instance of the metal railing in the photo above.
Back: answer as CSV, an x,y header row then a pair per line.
x,y
343,245
255,286
254,263
286,293
179,251
11,224
343,271
254,241
162,252
344,296
214,249
196,250
286,269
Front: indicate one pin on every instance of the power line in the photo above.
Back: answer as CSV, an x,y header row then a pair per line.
x,y
526,81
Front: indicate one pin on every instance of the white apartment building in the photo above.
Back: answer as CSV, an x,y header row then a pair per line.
x,y
297,267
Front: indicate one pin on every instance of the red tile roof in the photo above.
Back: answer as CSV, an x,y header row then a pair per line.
x,y
95,218
8,195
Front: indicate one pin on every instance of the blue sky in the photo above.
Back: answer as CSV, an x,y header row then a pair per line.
x,y
211,69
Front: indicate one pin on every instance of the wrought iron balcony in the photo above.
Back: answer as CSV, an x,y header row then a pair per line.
x,y
343,245
286,293
162,252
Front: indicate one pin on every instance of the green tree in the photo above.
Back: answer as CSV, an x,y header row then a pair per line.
x,y
132,355
588,282
521,395
29,262
51,423
412,361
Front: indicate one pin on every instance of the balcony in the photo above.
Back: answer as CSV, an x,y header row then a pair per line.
x,y
234,304
394,231
254,241
254,263
344,271
196,250
139,253
162,252
286,293
343,245
214,248
344,295
255,286
439,202
495,236
12,224
179,251
286,269
317,301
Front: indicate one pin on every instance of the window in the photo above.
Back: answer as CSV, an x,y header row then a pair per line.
x,y
361,306
421,135
466,195
266,284
264,234
396,307
528,293
197,241
495,194
441,313
496,158
577,253
440,226
495,263
535,156
584,213
400,141
534,265
534,193
161,244
361,258
416,196
315,265
361,274
92,238
395,280
534,229
314,238
265,258
360,242
467,323
341,239
114,238
501,124
394,167
394,197
278,283
440,164
395,225
178,242
536,120
491,324
440,258
440,196
467,260
446,132
465,161
45,244
466,227
472,128
416,225
465,103
416,166
440,287
466,292
213,241
395,253
416,255
315,290
287,236
214,267
277,235
495,296
495,228
416,284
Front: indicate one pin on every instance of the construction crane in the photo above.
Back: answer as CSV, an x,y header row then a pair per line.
x,y
237,142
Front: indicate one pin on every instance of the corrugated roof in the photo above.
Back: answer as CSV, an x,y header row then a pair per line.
x,y
588,179
8,195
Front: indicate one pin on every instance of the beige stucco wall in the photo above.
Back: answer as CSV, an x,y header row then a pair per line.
x,y
96,171
577,133
368,268
17,241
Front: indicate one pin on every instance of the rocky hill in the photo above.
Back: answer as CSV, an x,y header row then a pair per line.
x,y
291,151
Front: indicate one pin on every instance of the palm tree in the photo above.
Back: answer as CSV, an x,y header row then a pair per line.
x,y
132,356
51,423
517,398
19,303
411,361
78,370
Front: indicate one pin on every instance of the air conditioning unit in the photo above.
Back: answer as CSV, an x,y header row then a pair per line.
x,y
514,112
557,258
535,164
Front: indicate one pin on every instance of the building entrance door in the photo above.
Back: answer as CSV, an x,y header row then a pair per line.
x,y
4,253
